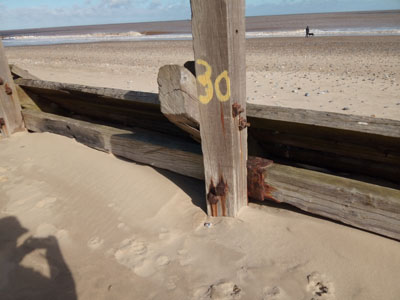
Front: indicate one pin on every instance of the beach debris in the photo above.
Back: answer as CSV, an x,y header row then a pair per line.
x,y
294,91
306,94
362,123
345,108
318,285
208,224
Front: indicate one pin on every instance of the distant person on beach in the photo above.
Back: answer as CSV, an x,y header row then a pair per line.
x,y
307,31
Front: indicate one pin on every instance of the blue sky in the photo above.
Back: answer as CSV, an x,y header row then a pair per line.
x,y
18,14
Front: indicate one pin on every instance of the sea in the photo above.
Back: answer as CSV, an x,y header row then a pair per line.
x,y
366,23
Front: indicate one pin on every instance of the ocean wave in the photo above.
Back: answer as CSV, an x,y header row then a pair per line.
x,y
26,40
326,32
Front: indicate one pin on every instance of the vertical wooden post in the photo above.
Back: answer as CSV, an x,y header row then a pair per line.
x,y
218,28
10,109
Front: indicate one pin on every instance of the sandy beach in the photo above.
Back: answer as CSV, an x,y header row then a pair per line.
x,y
76,223
103,228
353,75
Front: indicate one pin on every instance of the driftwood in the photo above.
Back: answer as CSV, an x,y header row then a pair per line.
x,y
367,206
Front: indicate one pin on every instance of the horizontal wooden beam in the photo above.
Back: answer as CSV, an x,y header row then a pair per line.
x,y
363,205
362,124
151,148
354,152
370,154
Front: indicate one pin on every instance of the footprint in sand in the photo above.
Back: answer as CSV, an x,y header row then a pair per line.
x,y
171,282
131,252
219,291
163,260
123,226
95,243
319,287
46,202
273,293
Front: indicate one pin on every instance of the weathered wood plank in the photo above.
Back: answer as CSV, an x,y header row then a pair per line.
x,y
218,29
139,145
255,112
363,205
350,151
10,109
384,127
18,72
178,98
139,97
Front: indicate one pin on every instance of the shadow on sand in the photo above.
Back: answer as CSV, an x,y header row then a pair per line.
x,y
22,282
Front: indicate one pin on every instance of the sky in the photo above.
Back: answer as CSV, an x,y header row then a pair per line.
x,y
21,14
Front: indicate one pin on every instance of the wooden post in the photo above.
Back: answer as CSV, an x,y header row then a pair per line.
x,y
218,28
10,109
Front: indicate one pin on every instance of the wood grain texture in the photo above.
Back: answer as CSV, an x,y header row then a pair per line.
x,y
136,144
384,127
10,109
177,93
255,112
18,72
363,205
218,28
334,148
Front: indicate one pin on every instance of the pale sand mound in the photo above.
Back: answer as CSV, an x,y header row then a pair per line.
x,y
127,231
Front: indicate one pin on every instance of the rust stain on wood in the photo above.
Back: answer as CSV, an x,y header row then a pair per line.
x,y
8,89
221,107
221,191
256,187
243,123
216,194
237,109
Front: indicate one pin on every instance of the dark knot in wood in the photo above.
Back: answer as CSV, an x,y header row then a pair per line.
x,y
2,122
1,81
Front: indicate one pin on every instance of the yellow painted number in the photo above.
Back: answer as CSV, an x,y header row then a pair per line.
x,y
220,96
205,80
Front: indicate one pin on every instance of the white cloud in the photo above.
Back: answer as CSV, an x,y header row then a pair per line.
x,y
94,12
